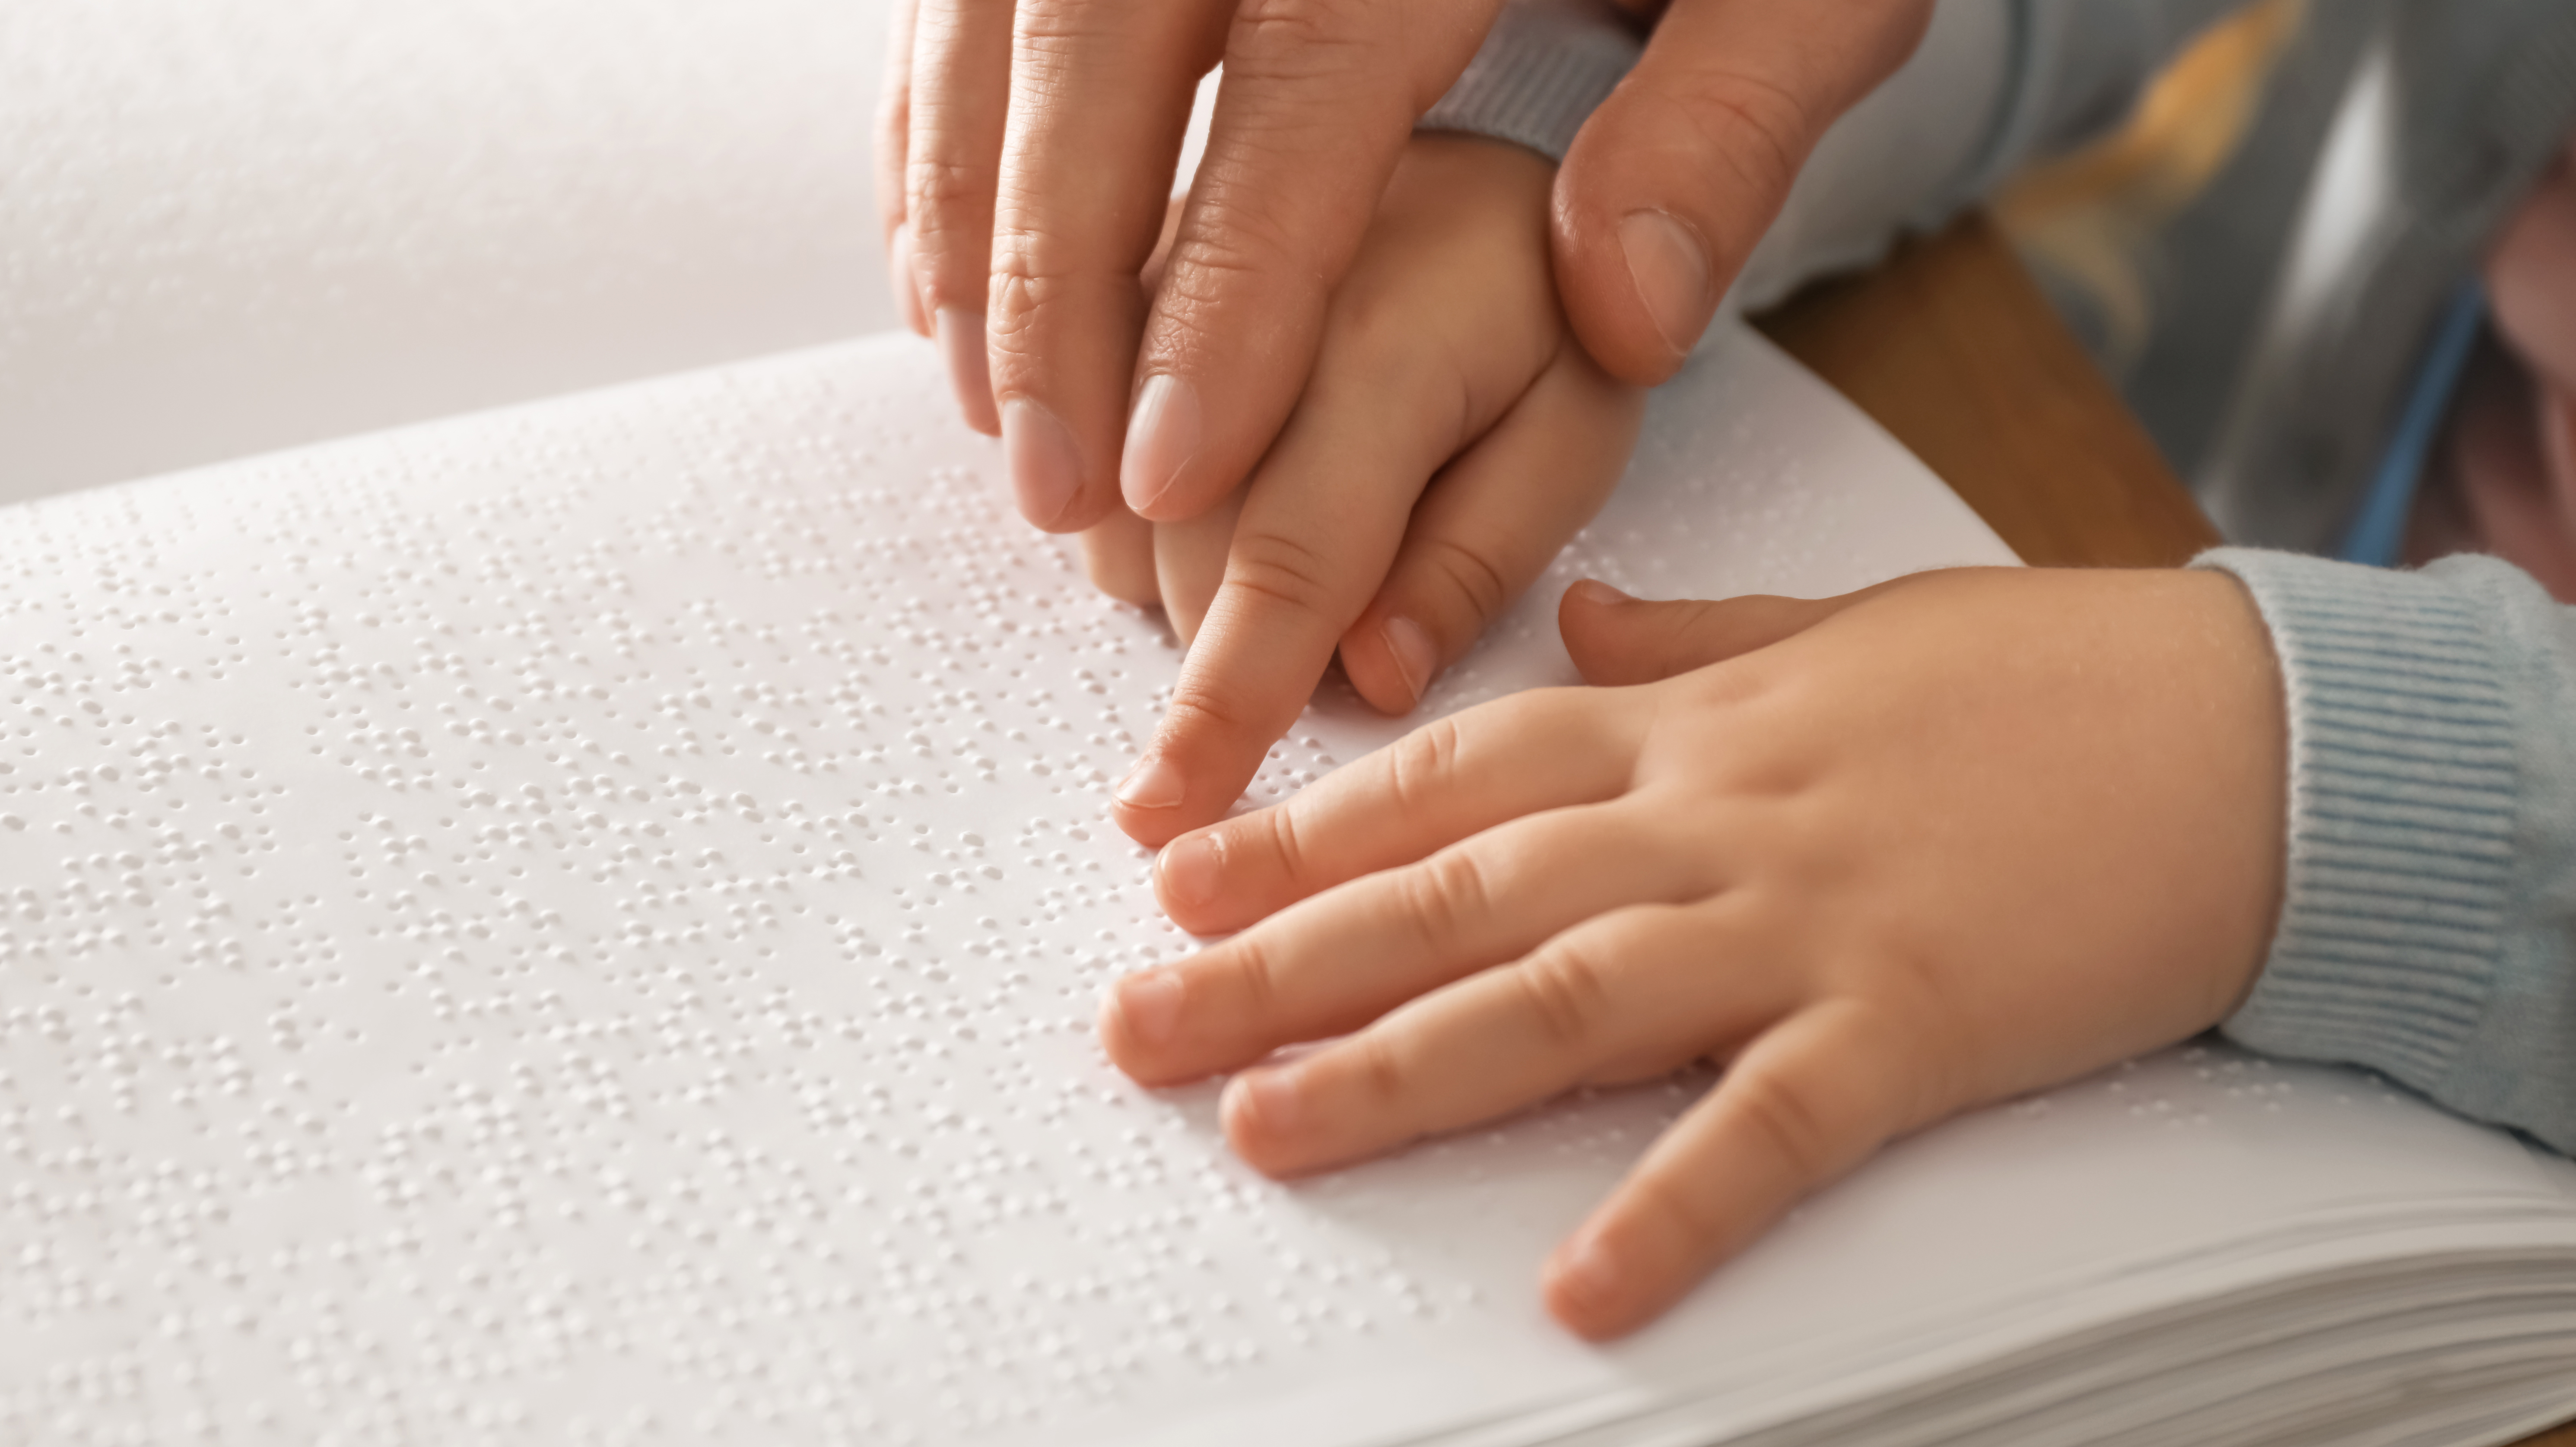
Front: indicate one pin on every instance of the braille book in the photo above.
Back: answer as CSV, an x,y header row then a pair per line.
x,y
581,924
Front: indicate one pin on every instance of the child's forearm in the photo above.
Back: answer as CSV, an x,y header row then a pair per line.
x,y
2428,925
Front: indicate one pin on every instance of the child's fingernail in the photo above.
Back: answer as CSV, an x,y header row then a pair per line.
x,y
1149,1006
1592,590
961,341
1411,649
1153,784
1045,471
1192,867
1670,270
906,284
1586,1272
1162,436
1264,1101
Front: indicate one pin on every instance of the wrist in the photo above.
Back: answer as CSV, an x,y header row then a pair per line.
x,y
1543,68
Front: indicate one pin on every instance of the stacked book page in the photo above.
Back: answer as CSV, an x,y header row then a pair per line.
x,y
582,924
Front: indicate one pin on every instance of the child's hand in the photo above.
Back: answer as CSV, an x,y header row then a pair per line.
x,y
1450,440
1886,857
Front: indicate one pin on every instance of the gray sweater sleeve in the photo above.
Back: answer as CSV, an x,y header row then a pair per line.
x,y
1992,84
1542,69
2428,929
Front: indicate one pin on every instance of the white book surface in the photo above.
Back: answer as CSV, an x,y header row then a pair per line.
x,y
581,924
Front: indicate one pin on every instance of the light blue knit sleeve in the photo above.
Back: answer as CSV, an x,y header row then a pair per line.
x,y
2428,930
1991,84
1543,69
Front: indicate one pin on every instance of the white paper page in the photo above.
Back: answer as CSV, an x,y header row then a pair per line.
x,y
228,226
583,925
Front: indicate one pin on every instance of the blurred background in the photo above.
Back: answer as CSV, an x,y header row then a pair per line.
x,y
228,226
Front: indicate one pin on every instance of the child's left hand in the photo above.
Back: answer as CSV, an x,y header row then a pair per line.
x,y
1887,857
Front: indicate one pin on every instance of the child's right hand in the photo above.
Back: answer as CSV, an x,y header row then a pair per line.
x,y
1887,857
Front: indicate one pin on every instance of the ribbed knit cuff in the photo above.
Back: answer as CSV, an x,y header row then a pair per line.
x,y
2401,827
1542,69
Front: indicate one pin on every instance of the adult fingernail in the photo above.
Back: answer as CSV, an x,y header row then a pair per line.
x,y
1149,1006
1264,1100
1669,268
961,341
906,284
1192,867
1153,784
1162,437
1593,590
1045,470
1411,649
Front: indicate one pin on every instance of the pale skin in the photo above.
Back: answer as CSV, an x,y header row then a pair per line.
x,y
1453,436
1024,153
1884,858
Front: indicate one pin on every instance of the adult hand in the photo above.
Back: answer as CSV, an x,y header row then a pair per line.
x,y
1879,855
1034,144
1024,151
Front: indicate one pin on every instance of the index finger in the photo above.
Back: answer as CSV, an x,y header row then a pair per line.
x,y
1444,782
1318,98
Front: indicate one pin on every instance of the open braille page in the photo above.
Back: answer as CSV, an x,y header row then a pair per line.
x,y
582,925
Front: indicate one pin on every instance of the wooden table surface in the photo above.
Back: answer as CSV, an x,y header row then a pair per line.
x,y
1952,348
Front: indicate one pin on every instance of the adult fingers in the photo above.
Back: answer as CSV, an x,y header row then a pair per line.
x,y
1805,1103
961,94
893,144
1118,556
1189,562
1617,640
1100,98
1318,100
1677,175
1341,960
1489,525
1446,781
1620,995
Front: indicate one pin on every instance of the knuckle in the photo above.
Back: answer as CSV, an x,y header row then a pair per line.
x,y
1241,235
1567,994
1285,570
1742,121
1469,575
1421,764
1663,1197
1296,37
1024,291
1758,125
949,191
1279,833
1379,1068
1446,895
1198,709
1781,1112
1053,23
1256,973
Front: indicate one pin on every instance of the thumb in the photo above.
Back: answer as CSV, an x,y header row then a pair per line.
x,y
1678,174
1616,639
